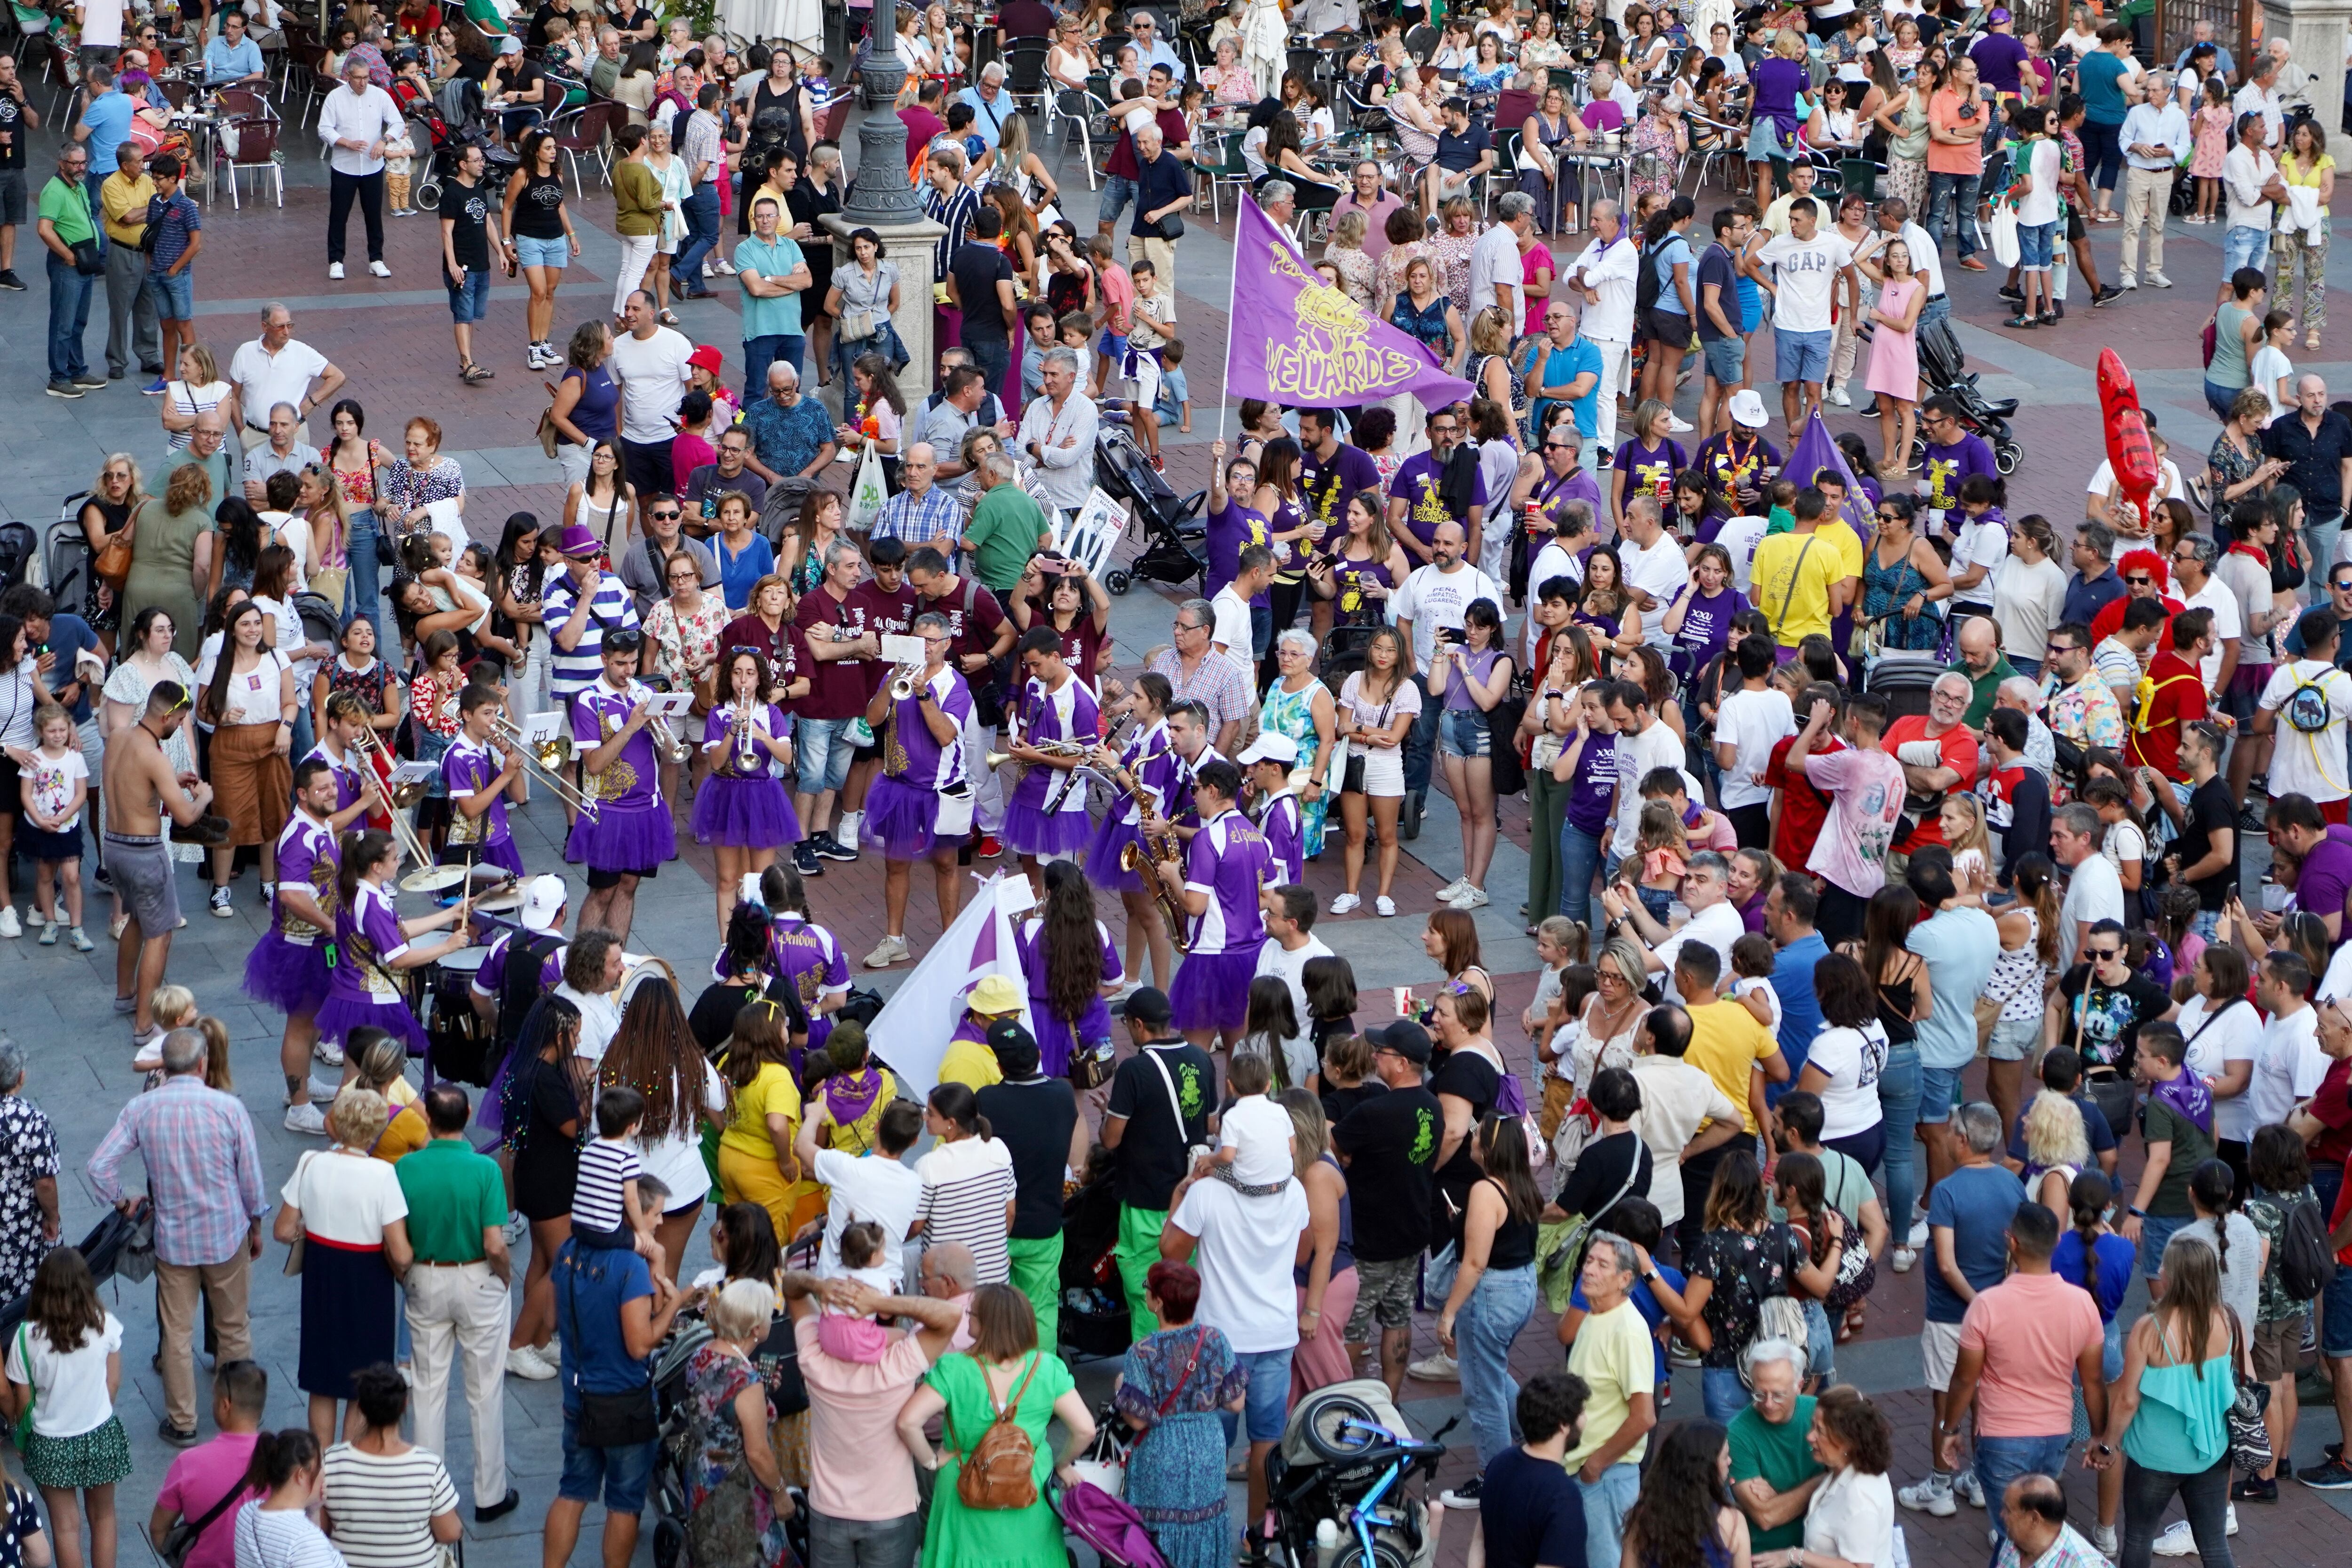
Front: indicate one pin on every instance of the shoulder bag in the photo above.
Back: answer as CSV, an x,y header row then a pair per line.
x,y
112,564
181,1538
2250,1436
294,1249
1559,1263
1175,1101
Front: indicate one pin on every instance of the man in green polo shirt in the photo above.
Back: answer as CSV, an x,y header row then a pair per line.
x,y
65,222
1773,1471
457,1290
1006,529
1984,664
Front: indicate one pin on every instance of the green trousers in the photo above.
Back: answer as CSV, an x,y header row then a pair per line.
x,y
1037,1274
1138,1249
1548,807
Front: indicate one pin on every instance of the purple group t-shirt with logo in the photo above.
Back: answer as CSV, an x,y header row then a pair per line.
x,y
1706,629
1594,785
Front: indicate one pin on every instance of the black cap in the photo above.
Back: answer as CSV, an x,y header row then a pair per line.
x,y
1148,1005
1007,1034
1405,1037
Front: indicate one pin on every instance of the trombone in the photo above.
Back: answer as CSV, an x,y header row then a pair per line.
x,y
545,761
427,877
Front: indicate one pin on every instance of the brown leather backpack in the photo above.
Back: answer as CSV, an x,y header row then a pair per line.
x,y
998,1471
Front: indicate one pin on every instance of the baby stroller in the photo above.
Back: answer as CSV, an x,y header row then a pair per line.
x,y
1347,1455
1943,366
669,1493
1168,522
452,120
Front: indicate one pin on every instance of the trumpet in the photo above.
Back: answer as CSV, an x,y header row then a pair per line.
x,y
903,683
545,761
665,741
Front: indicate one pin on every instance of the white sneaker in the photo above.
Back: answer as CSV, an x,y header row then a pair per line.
x,y
1918,1236
1439,1368
2159,280
328,1052
9,924
306,1117
2103,1536
1452,888
725,267
515,1229
335,272
1471,897
524,1362
1968,1490
35,919
379,269
1679,425
2127,281
1932,1496
1385,906
890,949
1839,397
324,1089
1346,904
2177,1541
1902,1258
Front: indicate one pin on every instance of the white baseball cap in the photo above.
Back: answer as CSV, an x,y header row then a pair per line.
x,y
1271,746
543,899
1747,408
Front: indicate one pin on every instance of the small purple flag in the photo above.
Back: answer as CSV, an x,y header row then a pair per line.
x,y
1297,340
1814,452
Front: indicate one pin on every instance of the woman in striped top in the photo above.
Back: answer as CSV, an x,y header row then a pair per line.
x,y
387,1504
967,1184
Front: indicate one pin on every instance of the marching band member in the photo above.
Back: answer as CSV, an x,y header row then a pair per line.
x,y
1071,967
807,958
343,746
632,833
1046,818
1224,867
480,779
742,809
1268,761
920,809
372,945
982,634
287,967
1145,768
884,605
1187,731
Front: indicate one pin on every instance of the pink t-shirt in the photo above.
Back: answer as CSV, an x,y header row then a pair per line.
x,y
1535,258
857,1468
197,1480
1118,298
2041,1325
1866,791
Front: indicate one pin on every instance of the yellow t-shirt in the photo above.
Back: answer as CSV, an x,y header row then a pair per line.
x,y
1726,1044
1786,572
771,1090
1612,1354
124,203
1841,535
406,1134
970,1063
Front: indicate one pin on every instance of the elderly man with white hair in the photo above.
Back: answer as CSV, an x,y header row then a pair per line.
x,y
1612,1353
1774,1470
1608,273
2156,139
990,103
1057,433
1163,189
2023,693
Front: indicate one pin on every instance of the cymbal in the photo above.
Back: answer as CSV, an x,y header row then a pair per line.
x,y
433,879
500,903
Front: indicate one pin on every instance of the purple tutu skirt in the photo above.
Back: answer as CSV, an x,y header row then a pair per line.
x,y
898,820
745,813
624,838
339,1016
1102,868
1211,990
503,855
1029,830
286,976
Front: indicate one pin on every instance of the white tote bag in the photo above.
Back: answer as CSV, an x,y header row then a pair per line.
x,y
867,493
2004,235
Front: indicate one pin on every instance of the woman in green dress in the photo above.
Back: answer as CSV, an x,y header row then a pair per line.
x,y
1299,705
171,554
1005,1368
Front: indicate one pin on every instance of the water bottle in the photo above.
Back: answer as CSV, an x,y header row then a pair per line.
x,y
1328,1538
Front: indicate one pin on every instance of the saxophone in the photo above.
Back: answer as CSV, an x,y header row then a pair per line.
x,y
1159,847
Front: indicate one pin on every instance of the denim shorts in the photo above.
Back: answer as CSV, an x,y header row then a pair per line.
x,y
824,755
2245,247
1266,1374
2336,1316
1113,347
622,1474
1462,732
1727,360
2013,1039
469,301
555,253
1939,1090
2156,1231
1117,191
1800,356
175,295
2033,242
1764,142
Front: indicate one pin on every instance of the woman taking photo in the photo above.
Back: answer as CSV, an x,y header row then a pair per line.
x,y
604,502
65,1368
1352,583
728,1431
1469,678
586,410
863,297
247,696
416,480
1428,317
346,1209
1004,1371
1078,607
1174,1389
374,942
742,809
1299,705
390,1502
766,629
1493,1292
1378,706
538,239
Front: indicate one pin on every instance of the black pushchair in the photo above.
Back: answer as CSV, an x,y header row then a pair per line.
x,y
1168,520
119,1246
452,120
1942,367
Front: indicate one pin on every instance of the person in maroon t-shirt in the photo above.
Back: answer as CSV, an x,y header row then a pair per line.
x,y
837,650
2174,695
764,626
1076,606
1804,810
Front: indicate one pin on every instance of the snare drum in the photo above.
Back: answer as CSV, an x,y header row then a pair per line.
x,y
465,960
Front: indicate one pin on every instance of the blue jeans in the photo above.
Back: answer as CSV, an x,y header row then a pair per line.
x,y
2319,535
1499,1306
1899,1107
1420,744
701,213
2025,666
2001,1460
1266,1375
1261,630
1117,191
360,590
69,294
1607,1501
622,1474
1722,1393
2244,247
2154,1232
2335,1317
758,353
1959,194
1579,856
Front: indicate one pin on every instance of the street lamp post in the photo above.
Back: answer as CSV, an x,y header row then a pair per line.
x,y
881,195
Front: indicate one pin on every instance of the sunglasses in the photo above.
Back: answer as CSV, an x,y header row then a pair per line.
x,y
2103,954
2058,647
2141,581
664,516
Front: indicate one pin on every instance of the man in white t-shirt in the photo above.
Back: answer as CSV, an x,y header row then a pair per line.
x,y
2288,1062
2306,705
649,362
1434,599
1608,274
1655,569
1290,943
1229,633
1644,742
878,1185
2094,892
2192,567
1807,264
1748,724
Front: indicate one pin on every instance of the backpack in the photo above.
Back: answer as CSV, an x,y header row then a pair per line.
x,y
998,1472
2306,707
518,988
2306,1262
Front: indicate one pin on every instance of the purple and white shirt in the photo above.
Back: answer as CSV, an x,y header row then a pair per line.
x,y
1285,844
351,774
930,765
750,759
307,858
1227,860
1149,757
632,781
1068,714
809,958
369,936
467,767
1094,1024
491,977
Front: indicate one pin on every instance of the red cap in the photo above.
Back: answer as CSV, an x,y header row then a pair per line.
x,y
706,357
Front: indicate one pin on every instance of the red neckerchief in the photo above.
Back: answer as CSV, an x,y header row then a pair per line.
x,y
2242,548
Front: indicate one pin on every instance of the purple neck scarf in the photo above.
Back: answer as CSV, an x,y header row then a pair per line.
x,y
850,1099
2186,1093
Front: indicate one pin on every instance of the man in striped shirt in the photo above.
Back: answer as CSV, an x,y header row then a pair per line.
x,y
579,608
949,202
921,512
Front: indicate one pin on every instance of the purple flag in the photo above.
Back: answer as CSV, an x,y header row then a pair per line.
x,y
1295,339
1815,451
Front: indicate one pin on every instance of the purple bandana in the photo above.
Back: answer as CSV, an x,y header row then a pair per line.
x,y
850,1099
2186,1093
